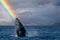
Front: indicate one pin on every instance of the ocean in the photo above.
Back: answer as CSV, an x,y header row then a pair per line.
x,y
33,33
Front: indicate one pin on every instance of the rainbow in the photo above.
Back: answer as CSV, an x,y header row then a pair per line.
x,y
8,8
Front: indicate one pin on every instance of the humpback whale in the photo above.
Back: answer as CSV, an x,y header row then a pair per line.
x,y
20,30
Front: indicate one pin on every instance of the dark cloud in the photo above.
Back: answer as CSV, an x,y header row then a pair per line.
x,y
27,3
56,2
38,12
42,15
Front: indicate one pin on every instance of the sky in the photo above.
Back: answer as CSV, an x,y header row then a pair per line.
x,y
4,17
34,12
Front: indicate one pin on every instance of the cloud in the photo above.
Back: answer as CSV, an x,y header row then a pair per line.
x,y
27,3
39,12
47,14
56,2
5,19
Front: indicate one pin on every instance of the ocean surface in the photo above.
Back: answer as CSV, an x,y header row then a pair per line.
x,y
33,33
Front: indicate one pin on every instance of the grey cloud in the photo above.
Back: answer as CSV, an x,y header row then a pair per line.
x,y
5,19
27,3
56,2
42,15
38,12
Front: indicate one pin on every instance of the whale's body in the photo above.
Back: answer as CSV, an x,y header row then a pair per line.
x,y
20,30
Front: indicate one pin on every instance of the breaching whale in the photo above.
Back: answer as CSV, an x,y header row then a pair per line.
x,y
20,30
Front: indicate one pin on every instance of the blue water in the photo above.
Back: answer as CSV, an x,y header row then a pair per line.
x,y
33,33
